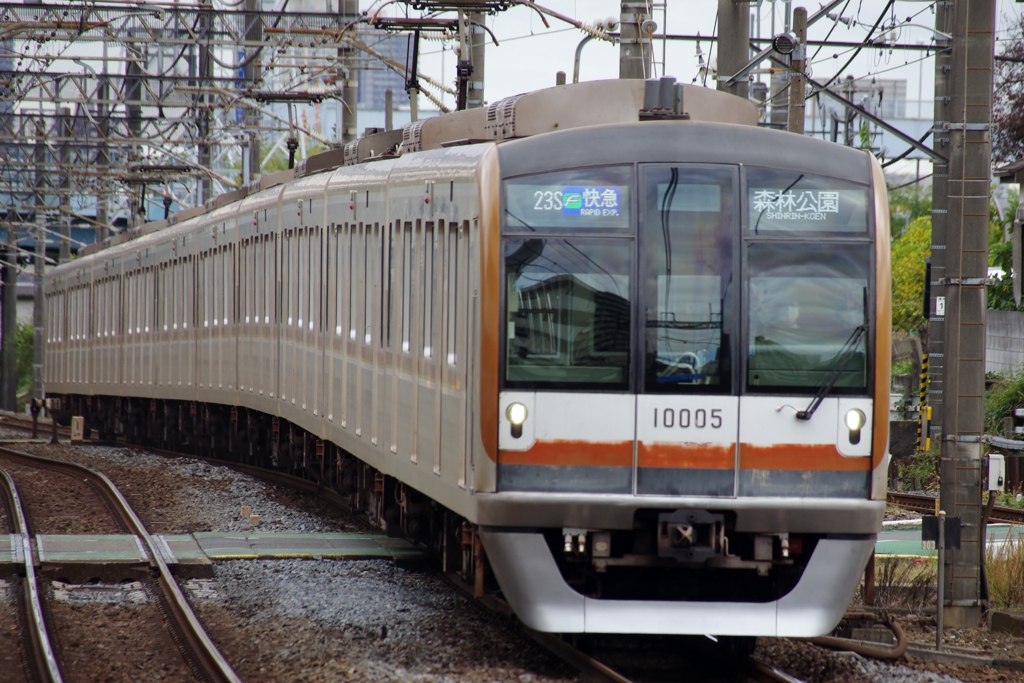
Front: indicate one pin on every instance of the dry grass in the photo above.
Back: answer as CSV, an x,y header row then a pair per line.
x,y
905,583
1005,565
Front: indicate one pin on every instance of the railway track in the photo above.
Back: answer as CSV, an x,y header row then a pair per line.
x,y
926,505
592,667
38,650
196,647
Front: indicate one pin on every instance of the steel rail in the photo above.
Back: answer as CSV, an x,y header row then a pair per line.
x,y
770,673
582,661
213,664
42,655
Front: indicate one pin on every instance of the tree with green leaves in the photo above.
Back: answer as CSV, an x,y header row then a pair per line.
x,y
909,252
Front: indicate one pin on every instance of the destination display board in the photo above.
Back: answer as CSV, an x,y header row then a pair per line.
x,y
587,199
790,201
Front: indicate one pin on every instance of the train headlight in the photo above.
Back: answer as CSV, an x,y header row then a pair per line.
x,y
855,421
516,414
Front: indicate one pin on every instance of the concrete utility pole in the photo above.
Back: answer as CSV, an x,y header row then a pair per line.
x,y
205,81
348,65
477,44
962,281
733,44
102,155
134,73
634,43
40,260
940,175
67,133
796,77
9,381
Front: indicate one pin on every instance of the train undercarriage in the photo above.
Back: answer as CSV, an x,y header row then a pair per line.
x,y
241,435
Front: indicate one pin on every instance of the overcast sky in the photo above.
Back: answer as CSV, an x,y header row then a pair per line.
x,y
530,54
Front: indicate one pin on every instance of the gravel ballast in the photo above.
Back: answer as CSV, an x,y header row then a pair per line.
x,y
368,620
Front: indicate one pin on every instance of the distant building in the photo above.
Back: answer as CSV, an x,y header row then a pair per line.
x,y
376,77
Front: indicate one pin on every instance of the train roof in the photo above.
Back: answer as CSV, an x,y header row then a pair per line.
x,y
697,142
563,107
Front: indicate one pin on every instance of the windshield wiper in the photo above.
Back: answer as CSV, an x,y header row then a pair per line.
x,y
839,360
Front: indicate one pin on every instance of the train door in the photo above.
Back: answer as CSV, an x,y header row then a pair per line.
x,y
687,416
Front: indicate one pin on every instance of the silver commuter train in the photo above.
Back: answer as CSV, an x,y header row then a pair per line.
x,y
634,370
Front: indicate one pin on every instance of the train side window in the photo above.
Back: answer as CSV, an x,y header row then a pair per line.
x,y
336,267
354,278
406,271
165,297
428,285
366,233
129,287
302,276
216,294
316,259
452,291
385,259
207,264
258,276
229,280
178,293
252,290
293,276
275,303
190,292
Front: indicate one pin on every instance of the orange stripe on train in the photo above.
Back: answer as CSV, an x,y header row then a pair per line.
x,y
570,452
687,455
799,457
820,457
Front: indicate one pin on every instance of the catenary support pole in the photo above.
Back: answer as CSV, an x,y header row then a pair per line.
x,y
733,44
67,134
936,339
39,237
9,374
348,63
205,81
963,284
253,72
477,48
634,46
795,124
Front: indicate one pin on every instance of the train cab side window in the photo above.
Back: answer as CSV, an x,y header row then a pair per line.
x,y
567,313
789,201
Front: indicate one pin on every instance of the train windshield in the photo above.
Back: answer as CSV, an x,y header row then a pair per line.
x,y
748,280
568,313
688,228
807,309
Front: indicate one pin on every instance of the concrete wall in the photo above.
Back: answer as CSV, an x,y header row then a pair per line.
x,y
1004,341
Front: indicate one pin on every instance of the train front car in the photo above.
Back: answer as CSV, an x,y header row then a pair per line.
x,y
692,386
